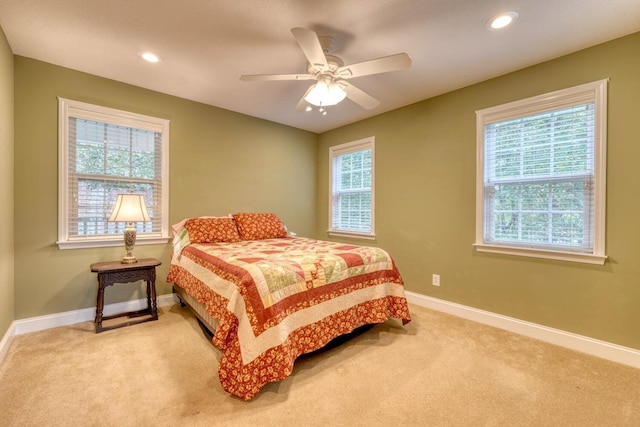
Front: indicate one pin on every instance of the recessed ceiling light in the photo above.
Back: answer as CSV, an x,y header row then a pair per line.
x,y
149,56
503,19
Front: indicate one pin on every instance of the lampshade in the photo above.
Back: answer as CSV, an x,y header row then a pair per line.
x,y
325,93
129,208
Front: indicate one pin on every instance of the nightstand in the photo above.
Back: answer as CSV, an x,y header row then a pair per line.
x,y
112,272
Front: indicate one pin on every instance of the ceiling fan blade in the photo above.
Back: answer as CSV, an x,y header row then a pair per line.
x,y
385,64
302,104
311,47
263,77
359,96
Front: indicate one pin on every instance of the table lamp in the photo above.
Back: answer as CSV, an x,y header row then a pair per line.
x,y
129,208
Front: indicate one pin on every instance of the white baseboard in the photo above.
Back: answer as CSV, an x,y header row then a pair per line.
x,y
49,321
616,353
7,339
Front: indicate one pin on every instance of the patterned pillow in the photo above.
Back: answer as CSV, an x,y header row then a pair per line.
x,y
179,226
210,230
258,226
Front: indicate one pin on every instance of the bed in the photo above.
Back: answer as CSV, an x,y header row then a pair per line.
x,y
270,297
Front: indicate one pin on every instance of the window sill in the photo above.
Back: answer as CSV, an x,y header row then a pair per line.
x,y
545,254
110,242
351,234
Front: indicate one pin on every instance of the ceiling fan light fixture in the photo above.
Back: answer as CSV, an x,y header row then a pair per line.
x,y
325,94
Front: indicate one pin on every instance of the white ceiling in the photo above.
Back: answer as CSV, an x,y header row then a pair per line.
x,y
207,44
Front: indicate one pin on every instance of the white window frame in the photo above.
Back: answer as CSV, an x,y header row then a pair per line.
x,y
69,108
590,92
347,148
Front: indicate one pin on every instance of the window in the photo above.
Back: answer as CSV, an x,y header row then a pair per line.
x,y
351,189
104,152
541,176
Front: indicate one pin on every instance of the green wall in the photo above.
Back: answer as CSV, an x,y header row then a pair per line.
x,y
220,162
425,201
6,186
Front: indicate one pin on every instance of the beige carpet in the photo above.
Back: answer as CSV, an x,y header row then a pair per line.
x,y
439,370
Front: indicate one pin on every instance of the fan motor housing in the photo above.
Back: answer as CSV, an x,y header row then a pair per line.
x,y
333,61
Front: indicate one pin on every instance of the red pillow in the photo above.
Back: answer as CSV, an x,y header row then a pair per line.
x,y
211,230
258,226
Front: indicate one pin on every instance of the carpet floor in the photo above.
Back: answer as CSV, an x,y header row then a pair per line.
x,y
439,370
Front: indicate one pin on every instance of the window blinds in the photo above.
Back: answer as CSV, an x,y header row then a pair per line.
x,y
539,179
104,160
352,192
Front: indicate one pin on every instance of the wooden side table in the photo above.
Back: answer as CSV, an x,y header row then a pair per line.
x,y
113,272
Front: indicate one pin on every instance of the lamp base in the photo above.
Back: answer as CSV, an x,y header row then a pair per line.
x,y
128,260
129,243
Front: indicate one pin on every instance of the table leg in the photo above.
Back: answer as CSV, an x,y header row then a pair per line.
x,y
149,296
154,308
99,304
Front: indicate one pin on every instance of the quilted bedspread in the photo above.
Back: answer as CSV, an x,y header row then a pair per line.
x,y
276,299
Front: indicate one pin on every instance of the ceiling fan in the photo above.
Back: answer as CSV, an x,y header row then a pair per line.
x,y
331,74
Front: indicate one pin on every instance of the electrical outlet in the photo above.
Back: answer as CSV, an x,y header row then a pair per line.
x,y
435,281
